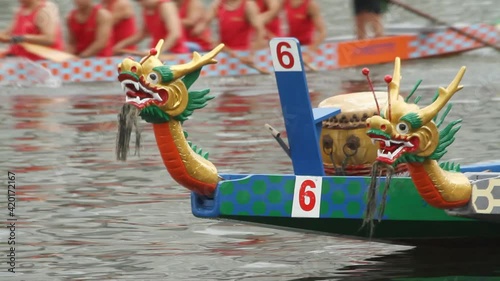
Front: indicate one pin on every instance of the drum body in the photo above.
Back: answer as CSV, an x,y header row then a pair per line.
x,y
345,147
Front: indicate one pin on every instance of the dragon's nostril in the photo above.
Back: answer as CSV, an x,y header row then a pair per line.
x,y
133,69
383,127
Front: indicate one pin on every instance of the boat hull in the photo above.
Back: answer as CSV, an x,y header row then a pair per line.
x,y
336,205
331,55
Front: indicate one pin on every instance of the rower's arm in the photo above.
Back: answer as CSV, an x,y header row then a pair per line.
x,y
319,26
273,9
207,19
252,15
170,16
121,10
104,29
132,40
47,21
70,43
194,14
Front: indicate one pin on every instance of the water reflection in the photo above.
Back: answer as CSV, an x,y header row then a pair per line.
x,y
85,215
425,264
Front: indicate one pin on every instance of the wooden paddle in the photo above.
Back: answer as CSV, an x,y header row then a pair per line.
x,y
311,68
436,20
141,54
48,53
233,54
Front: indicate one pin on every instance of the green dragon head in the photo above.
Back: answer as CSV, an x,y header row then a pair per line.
x,y
161,91
407,133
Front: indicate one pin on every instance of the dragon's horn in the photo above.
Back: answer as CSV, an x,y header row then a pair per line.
x,y
427,113
155,52
196,63
396,79
158,47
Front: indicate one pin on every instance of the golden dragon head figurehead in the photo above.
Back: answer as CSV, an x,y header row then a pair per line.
x,y
407,133
149,83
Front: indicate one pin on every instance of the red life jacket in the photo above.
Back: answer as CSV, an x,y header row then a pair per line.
x,y
122,29
234,29
300,24
201,39
274,26
85,32
25,24
156,27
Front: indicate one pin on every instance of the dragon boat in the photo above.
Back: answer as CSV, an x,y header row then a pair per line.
x,y
396,191
407,42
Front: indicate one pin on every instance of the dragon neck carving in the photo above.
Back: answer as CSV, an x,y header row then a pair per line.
x,y
409,134
160,92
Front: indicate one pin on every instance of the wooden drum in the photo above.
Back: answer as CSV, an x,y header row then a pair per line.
x,y
343,137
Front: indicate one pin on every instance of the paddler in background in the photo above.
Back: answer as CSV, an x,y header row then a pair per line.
x,y
191,13
306,23
270,16
35,22
160,21
124,24
89,30
240,26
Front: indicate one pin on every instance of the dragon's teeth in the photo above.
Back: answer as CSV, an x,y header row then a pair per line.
x,y
157,97
373,141
137,86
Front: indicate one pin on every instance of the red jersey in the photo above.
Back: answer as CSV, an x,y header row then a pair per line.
x,y
300,24
25,24
156,27
274,26
201,39
85,32
234,29
122,29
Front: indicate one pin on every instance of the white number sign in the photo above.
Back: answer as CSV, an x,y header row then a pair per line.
x,y
285,54
307,197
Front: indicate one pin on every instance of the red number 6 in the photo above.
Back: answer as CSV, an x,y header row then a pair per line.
x,y
303,193
282,54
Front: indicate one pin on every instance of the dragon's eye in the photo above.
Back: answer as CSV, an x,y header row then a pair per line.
x,y
152,78
402,128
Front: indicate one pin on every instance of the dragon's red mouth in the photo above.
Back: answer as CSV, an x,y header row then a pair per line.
x,y
391,149
140,93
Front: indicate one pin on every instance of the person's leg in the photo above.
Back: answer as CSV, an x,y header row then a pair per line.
x,y
375,17
361,25
359,19
376,23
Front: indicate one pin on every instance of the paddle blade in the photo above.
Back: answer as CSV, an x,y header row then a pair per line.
x,y
48,53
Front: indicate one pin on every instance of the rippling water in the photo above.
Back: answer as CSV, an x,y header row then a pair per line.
x,y
84,216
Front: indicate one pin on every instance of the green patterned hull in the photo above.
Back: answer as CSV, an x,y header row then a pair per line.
x,y
335,205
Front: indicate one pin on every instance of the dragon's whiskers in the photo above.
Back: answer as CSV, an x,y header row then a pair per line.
x,y
371,205
127,120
